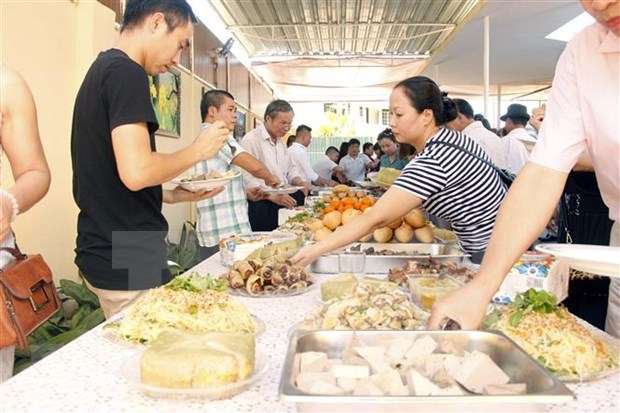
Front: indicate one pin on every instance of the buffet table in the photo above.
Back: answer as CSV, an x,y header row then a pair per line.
x,y
84,375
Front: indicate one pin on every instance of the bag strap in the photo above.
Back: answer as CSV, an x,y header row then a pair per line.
x,y
15,252
460,148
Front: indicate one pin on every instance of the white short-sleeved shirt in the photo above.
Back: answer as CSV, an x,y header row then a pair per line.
x,y
517,151
324,167
355,168
490,142
582,112
299,157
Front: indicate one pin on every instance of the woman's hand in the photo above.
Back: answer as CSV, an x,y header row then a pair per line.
x,y
467,306
306,255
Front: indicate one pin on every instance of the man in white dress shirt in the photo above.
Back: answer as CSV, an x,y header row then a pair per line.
x,y
354,164
298,151
327,166
516,118
490,142
265,143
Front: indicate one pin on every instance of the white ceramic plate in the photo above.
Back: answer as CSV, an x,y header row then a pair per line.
x,y
130,371
209,184
595,259
281,191
366,184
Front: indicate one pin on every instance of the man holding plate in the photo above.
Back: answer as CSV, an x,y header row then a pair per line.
x,y
227,213
265,143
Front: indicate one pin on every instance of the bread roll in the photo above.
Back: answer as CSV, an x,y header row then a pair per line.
x,y
180,359
424,234
383,234
415,218
404,233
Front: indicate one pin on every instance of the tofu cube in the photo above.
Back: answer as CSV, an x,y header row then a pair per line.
x,y
398,347
366,387
321,387
352,372
313,362
479,370
387,381
420,385
505,389
305,381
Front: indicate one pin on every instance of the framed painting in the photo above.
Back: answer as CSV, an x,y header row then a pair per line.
x,y
166,100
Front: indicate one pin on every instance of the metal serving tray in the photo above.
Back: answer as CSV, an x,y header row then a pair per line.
x,y
542,386
381,264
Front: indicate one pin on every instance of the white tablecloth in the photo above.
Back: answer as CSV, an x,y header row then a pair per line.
x,y
84,375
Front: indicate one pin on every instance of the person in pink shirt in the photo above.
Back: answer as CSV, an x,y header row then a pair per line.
x,y
582,115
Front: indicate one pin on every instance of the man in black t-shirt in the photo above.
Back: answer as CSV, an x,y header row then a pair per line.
x,y
117,173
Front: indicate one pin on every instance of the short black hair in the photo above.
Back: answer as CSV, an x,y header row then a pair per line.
x,y
464,108
213,98
176,12
331,149
354,142
276,106
303,128
366,145
386,133
291,139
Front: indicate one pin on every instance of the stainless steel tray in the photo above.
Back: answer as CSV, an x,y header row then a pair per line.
x,y
381,264
542,386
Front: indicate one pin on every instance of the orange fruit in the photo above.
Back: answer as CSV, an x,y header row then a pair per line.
x,y
328,209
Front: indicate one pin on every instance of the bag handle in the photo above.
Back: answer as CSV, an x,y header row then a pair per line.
x,y
460,148
15,252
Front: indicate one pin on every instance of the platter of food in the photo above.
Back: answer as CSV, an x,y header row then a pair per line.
x,y
282,190
188,303
208,181
370,306
380,257
260,245
554,337
210,366
267,278
414,371
595,259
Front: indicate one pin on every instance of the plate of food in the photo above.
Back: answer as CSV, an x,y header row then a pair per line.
x,y
190,303
267,278
209,366
595,259
371,306
554,337
210,181
282,190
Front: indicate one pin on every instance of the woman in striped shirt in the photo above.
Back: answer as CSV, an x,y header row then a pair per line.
x,y
447,181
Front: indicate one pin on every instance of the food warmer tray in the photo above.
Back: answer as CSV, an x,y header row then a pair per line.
x,y
381,264
542,386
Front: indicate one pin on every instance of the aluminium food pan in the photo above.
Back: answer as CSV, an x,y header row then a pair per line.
x,y
381,264
542,386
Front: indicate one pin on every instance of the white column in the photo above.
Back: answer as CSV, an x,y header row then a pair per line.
x,y
485,66
499,106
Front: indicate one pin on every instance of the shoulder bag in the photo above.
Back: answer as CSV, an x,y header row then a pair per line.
x,y
29,297
507,177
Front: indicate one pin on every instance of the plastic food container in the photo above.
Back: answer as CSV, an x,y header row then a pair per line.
x,y
426,289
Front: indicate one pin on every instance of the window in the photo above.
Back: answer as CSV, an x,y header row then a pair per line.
x,y
330,107
385,117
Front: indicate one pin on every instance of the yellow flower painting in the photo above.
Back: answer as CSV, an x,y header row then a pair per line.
x,y
165,97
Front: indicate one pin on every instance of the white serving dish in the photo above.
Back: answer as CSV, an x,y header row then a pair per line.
x,y
595,259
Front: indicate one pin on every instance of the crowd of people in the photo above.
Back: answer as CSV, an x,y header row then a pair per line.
x,y
444,151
